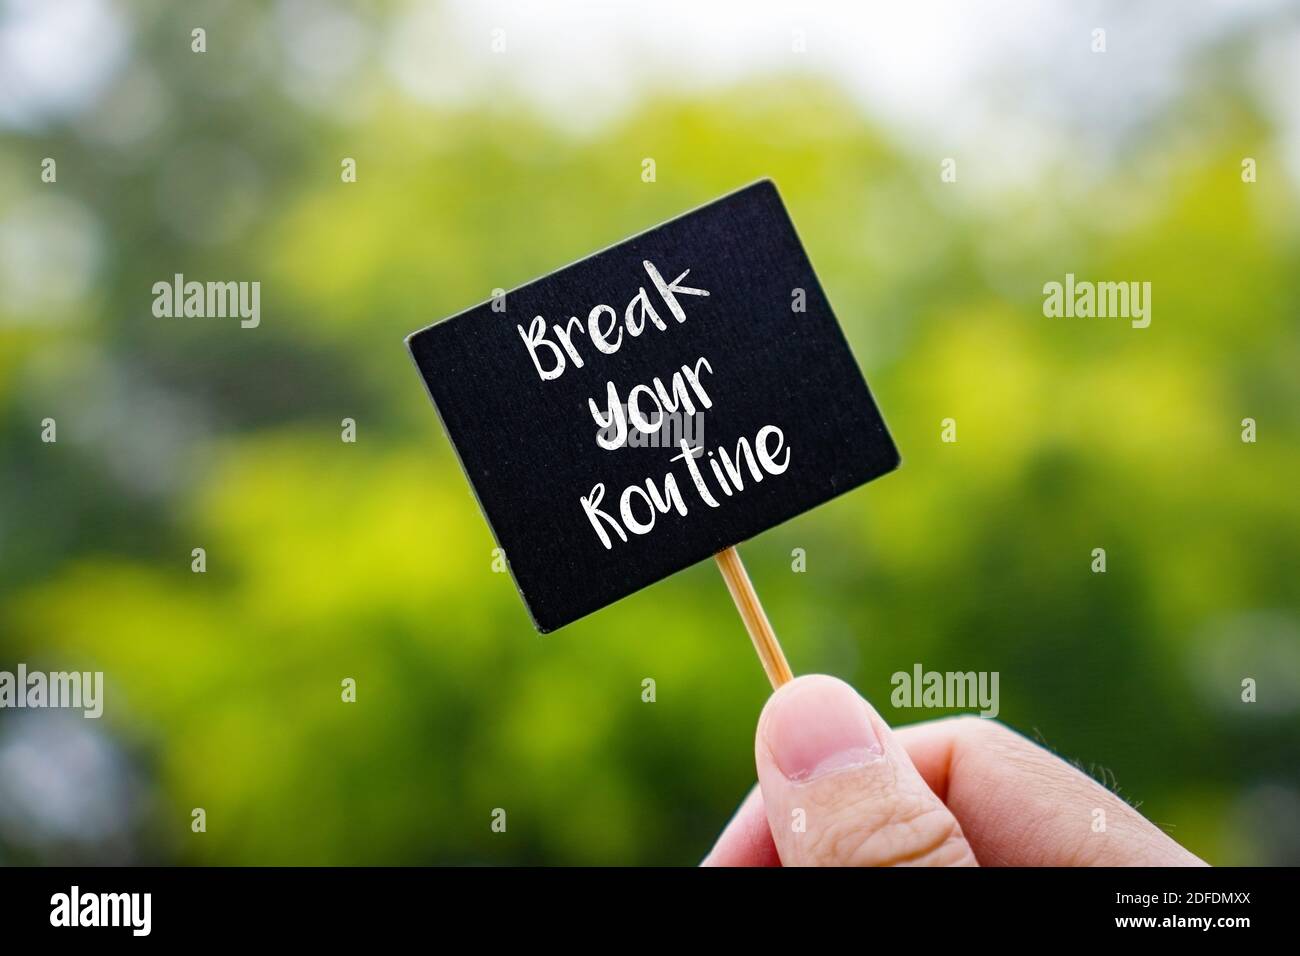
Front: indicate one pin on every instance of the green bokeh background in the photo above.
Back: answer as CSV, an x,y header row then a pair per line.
x,y
329,560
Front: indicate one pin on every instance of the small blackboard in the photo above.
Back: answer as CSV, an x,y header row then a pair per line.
x,y
648,406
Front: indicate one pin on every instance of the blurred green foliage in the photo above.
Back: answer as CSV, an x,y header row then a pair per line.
x,y
328,560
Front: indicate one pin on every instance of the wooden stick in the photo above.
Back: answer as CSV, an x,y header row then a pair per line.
x,y
751,612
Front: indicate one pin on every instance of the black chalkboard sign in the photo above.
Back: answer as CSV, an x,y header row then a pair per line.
x,y
652,404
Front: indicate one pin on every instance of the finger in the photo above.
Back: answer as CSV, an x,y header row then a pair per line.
x,y
747,839
1021,805
840,790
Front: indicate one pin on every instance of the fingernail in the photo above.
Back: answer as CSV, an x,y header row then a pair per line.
x,y
816,727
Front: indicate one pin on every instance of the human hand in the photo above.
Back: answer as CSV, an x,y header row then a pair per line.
x,y
964,791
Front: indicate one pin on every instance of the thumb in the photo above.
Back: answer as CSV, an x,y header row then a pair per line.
x,y
840,790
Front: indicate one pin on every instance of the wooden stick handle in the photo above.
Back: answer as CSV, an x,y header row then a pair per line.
x,y
751,612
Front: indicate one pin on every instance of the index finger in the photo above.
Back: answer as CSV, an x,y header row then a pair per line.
x,y
1021,805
